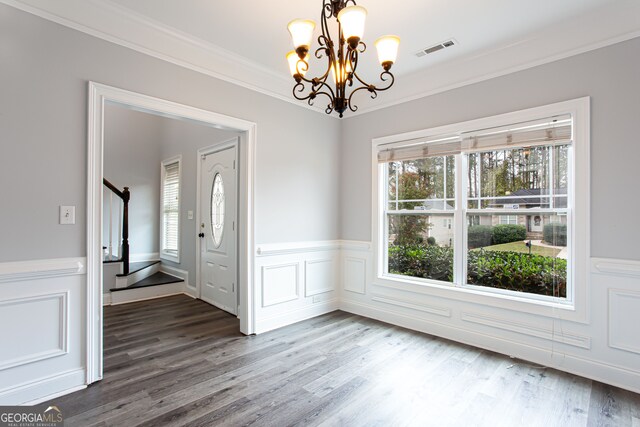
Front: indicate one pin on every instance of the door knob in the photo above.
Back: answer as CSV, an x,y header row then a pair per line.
x,y
201,235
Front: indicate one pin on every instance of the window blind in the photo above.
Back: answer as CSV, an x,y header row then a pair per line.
x,y
548,131
170,201
428,147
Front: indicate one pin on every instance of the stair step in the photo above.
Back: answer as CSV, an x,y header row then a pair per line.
x,y
155,279
134,267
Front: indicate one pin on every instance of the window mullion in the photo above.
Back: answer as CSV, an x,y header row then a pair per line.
x,y
459,258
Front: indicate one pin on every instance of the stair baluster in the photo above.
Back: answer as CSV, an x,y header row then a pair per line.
x,y
123,225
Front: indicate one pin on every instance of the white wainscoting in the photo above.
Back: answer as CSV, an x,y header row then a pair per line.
x,y
295,281
41,324
606,348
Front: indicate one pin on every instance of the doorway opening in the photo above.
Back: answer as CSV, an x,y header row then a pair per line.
x,y
102,95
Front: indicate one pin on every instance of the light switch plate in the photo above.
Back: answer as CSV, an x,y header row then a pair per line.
x,y
67,215
190,214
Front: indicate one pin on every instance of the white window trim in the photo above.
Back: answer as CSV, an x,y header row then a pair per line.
x,y
575,307
164,254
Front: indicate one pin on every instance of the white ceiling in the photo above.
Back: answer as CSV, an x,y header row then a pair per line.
x,y
244,41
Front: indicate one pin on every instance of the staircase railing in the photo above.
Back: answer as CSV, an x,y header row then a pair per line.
x,y
123,224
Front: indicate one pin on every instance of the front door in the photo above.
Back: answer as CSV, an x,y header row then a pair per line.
x,y
535,223
218,228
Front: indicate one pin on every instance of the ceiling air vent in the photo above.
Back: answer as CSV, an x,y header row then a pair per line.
x,y
435,48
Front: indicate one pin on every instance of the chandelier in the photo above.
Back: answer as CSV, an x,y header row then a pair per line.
x,y
342,59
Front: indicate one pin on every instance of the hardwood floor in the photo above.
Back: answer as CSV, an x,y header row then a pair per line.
x,y
178,361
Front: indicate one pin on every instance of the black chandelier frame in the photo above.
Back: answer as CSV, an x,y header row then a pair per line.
x,y
346,58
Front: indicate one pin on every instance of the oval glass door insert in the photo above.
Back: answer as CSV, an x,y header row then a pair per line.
x,y
217,209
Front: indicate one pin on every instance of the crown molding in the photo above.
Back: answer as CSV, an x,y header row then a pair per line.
x,y
122,26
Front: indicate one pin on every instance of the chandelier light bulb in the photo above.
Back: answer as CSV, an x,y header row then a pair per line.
x,y
301,33
352,20
387,47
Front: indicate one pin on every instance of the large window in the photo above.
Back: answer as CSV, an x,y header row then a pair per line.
x,y
170,210
487,209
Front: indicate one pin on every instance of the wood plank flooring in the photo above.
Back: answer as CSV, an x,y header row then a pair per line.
x,y
177,361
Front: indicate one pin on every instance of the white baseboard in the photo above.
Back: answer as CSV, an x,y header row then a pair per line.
x,y
293,316
55,395
106,299
44,388
595,370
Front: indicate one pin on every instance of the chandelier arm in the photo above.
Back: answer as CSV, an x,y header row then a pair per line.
x,y
384,76
327,12
353,57
302,67
329,108
322,83
353,107
300,87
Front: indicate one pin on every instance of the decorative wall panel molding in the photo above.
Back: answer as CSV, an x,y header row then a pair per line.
x,y
280,283
355,274
440,311
319,276
623,319
560,336
34,328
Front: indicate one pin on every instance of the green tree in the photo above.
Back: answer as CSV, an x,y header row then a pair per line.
x,y
413,181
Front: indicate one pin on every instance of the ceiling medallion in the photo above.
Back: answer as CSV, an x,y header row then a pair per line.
x,y
342,59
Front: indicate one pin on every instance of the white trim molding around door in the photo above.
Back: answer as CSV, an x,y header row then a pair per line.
x,y
100,94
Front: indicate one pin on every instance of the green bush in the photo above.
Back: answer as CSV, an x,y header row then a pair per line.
x,y
514,271
431,240
479,236
555,234
425,261
507,233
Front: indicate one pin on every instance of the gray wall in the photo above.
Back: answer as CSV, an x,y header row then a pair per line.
x,y
132,158
43,109
609,75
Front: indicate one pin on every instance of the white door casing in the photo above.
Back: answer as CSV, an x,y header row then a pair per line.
x,y
98,95
218,230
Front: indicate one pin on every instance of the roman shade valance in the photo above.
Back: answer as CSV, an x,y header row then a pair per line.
x,y
547,131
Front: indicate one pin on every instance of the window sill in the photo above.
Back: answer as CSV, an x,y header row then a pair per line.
x,y
170,257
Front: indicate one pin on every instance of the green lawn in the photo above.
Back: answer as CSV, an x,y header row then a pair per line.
x,y
520,247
